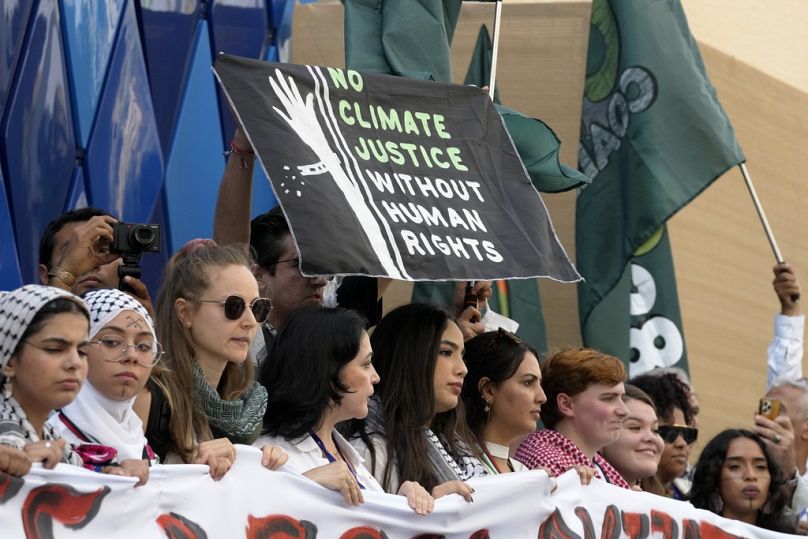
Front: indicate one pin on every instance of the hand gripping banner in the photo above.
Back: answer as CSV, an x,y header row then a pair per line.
x,y
182,501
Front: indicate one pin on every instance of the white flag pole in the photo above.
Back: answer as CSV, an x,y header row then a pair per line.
x,y
493,81
762,214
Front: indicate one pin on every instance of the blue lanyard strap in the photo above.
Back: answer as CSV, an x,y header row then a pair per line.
x,y
331,457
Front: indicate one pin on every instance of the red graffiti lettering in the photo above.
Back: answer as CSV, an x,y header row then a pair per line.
x,y
363,533
9,486
178,527
690,529
612,528
586,519
636,525
555,528
279,527
61,503
664,524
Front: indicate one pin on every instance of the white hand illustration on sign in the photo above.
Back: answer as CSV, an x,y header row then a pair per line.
x,y
299,113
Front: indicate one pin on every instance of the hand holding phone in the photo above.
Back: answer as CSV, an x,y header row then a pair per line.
x,y
769,408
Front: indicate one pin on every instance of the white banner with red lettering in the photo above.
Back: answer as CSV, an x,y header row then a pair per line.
x,y
184,502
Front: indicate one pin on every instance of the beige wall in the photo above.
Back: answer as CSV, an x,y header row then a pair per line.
x,y
723,261
770,36
755,53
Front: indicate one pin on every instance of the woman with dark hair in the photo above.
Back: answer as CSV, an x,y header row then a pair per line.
x,y
502,395
202,398
415,430
320,375
736,478
675,413
43,355
583,414
637,451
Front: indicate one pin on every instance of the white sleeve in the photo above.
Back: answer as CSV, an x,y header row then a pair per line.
x,y
785,350
799,501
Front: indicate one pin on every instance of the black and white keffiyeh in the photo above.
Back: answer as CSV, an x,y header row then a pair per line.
x,y
107,303
17,310
107,421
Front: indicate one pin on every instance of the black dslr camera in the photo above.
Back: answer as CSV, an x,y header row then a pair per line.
x,y
130,241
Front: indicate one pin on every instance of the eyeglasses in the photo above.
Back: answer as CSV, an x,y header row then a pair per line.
x,y
670,433
147,353
234,307
296,260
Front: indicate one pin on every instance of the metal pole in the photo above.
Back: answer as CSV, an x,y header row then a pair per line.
x,y
762,214
497,18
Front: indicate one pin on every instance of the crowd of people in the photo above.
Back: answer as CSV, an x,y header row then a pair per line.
x,y
241,348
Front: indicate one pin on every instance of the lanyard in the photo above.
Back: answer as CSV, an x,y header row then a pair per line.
x,y
148,453
331,457
491,462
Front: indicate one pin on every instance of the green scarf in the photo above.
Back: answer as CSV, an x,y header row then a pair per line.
x,y
238,420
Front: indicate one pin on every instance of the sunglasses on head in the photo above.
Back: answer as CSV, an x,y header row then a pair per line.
x,y
504,335
234,307
669,433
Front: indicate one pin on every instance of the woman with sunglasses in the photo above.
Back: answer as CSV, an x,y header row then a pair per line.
x,y
415,430
203,398
672,399
101,423
502,395
637,451
43,356
321,374
735,477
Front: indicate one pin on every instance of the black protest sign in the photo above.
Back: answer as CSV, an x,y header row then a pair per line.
x,y
388,176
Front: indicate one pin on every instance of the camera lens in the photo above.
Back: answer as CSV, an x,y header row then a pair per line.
x,y
141,236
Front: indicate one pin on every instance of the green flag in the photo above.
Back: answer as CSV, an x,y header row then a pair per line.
x,y
653,137
412,38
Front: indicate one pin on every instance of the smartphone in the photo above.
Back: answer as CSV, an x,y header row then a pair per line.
x,y
769,408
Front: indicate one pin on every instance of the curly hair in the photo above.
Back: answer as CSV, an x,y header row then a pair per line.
x,y
668,392
707,481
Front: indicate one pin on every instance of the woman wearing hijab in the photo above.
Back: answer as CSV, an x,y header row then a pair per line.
x,y
101,423
43,357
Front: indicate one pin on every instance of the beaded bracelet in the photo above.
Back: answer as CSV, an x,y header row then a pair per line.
x,y
242,154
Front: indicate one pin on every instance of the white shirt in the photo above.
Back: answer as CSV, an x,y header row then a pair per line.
x,y
305,455
785,350
379,444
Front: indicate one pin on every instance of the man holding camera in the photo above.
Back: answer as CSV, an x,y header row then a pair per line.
x,y
75,255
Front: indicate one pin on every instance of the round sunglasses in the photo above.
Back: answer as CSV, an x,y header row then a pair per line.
x,y
669,433
234,307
